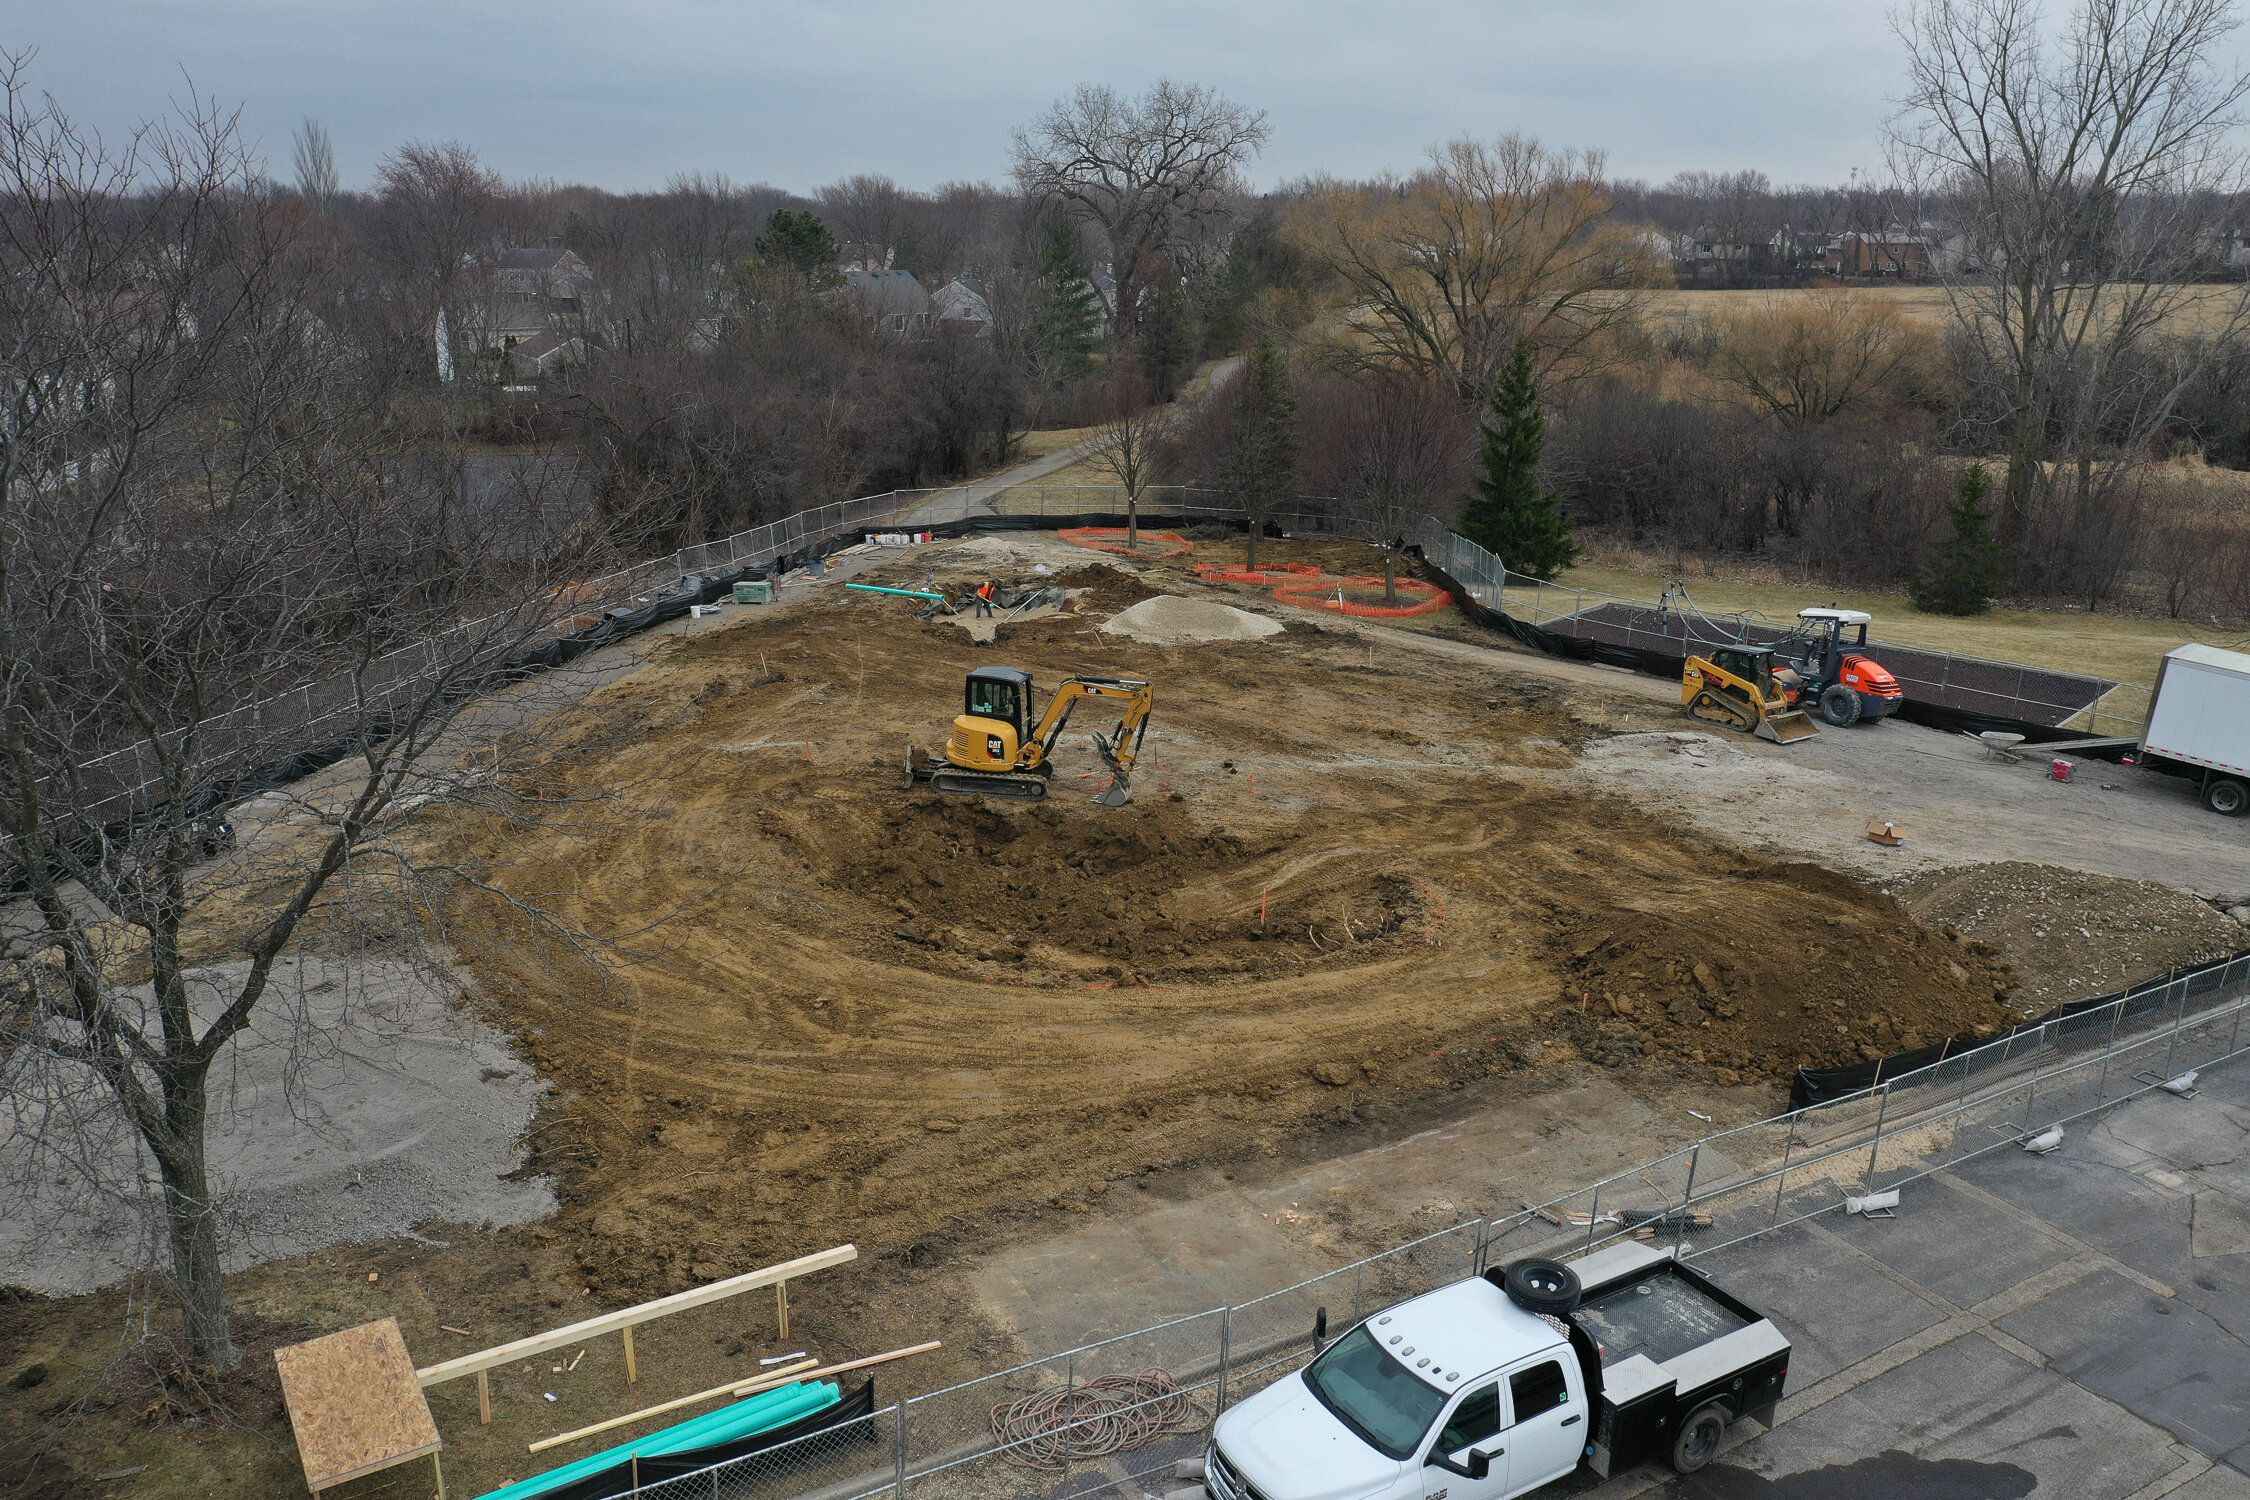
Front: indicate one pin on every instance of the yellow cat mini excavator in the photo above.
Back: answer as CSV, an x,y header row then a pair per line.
x,y
996,751
1738,686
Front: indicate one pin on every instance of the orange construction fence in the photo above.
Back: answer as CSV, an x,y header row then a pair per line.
x,y
1335,596
1112,539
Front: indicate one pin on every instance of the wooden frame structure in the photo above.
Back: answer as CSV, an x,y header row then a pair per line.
x,y
626,1319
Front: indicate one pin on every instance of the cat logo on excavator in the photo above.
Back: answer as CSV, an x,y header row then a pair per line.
x,y
1738,686
996,751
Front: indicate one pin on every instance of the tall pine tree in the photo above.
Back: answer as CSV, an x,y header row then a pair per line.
x,y
1511,514
1070,312
1967,577
1260,462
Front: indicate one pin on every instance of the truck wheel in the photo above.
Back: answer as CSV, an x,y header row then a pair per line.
x,y
2227,797
1839,705
1698,1442
1543,1286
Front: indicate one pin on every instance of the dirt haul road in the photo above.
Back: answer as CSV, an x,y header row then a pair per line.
x,y
898,1018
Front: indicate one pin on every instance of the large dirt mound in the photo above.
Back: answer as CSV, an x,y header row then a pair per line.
x,y
1719,979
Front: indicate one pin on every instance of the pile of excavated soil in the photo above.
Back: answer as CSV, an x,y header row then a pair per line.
x,y
1847,978
872,1014
2068,934
1168,620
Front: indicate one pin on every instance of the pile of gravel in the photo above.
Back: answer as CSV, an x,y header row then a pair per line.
x,y
2069,934
1168,620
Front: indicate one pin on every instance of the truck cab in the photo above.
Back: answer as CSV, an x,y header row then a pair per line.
x,y
1465,1393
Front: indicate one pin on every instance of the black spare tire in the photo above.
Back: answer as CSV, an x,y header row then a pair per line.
x,y
1542,1286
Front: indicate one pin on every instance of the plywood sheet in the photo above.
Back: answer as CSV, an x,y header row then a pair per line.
x,y
354,1403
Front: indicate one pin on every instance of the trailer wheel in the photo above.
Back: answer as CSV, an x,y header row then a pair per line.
x,y
1839,705
1698,1442
1542,1286
2227,797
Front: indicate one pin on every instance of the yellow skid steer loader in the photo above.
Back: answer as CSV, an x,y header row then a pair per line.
x,y
1738,687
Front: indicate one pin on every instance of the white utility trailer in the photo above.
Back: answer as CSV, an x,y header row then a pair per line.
x,y
2199,724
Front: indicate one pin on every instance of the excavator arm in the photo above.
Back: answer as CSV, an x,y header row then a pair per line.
x,y
1120,747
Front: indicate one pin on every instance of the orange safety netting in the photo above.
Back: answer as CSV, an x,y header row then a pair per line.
x,y
1335,596
1112,539
1271,573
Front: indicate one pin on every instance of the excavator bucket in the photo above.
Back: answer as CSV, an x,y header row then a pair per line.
x,y
1120,788
1787,728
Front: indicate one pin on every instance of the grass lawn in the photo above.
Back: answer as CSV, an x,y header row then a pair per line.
x,y
2124,650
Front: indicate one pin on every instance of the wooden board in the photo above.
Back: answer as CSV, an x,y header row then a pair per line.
x,y
354,1403
627,1317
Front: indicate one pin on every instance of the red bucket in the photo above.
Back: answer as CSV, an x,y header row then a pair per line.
x,y
2060,770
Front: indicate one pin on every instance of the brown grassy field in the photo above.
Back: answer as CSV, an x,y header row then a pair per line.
x,y
2205,308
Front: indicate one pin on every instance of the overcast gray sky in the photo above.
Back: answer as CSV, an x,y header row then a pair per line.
x,y
800,92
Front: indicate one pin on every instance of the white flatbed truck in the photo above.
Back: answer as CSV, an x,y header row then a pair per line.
x,y
1496,1385
2199,724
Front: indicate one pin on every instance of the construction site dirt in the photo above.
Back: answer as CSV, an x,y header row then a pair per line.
x,y
887,1016
1373,879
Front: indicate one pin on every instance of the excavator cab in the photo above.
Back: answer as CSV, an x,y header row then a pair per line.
x,y
995,719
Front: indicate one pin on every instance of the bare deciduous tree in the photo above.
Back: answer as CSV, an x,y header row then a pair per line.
x,y
1814,354
1392,448
207,558
1148,171
1442,272
1128,444
2089,178
317,182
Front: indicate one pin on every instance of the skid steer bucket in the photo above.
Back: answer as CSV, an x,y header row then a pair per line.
x,y
1787,728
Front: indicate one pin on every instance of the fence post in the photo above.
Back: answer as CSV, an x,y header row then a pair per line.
x,y
1781,1178
898,1462
1226,1354
2179,1019
1359,1301
1687,1198
1882,1108
2032,1092
1593,1216
2116,1013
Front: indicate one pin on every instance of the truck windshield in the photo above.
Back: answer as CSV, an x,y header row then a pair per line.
x,y
1373,1394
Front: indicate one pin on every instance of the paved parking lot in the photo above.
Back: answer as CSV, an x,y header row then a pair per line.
x,y
2070,1325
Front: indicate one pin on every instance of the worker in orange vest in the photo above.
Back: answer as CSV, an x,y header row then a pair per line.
x,y
984,597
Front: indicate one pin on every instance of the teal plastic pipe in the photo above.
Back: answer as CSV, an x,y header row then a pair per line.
x,y
876,588
768,1409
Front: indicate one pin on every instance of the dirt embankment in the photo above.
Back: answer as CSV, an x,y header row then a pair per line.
x,y
1346,880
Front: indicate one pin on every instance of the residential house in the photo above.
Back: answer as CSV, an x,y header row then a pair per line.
x,y
960,306
893,301
525,316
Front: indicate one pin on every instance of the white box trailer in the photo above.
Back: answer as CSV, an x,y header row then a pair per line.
x,y
2199,724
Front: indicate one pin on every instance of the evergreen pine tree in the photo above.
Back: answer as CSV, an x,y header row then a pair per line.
x,y
1967,577
1167,337
798,241
1260,463
1070,314
1511,515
